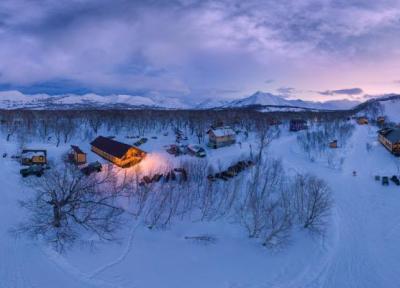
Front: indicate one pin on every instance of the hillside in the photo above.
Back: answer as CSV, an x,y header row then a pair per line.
x,y
263,101
388,106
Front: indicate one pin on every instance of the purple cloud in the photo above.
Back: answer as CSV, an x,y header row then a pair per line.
x,y
350,91
188,47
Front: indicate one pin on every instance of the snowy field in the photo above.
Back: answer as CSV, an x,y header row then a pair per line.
x,y
360,248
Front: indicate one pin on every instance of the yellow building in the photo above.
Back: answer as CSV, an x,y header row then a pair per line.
x,y
362,120
77,155
33,157
390,138
121,154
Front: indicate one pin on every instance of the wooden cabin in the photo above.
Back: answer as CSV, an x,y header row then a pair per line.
x,y
121,154
297,125
362,120
380,120
33,157
77,156
390,138
333,144
221,136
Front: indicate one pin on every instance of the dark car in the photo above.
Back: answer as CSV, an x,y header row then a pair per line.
x,y
92,168
156,177
222,176
385,180
36,170
174,150
231,172
140,142
170,176
211,177
395,180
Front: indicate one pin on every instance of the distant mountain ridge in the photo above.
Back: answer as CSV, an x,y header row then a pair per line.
x,y
268,99
263,101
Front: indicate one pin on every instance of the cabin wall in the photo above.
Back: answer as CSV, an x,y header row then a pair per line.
x,y
221,141
79,158
385,142
129,159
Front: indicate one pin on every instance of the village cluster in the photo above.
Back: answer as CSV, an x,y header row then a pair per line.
x,y
35,161
125,155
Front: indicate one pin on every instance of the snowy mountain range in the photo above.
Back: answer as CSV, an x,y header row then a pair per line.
x,y
271,100
260,100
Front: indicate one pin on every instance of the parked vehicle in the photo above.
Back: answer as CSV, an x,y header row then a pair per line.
x,y
211,178
156,177
140,142
36,170
147,179
231,172
385,181
174,150
170,176
395,180
221,176
377,178
196,150
227,174
92,168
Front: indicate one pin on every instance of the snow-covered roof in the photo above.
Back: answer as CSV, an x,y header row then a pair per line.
x,y
223,131
31,153
393,135
195,148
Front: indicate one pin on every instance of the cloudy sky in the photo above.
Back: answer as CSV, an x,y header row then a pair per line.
x,y
325,49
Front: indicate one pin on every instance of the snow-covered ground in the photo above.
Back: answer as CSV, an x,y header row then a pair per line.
x,y
392,110
360,248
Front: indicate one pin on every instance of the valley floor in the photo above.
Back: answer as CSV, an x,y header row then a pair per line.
x,y
360,248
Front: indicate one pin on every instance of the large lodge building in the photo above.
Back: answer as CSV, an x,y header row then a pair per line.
x,y
121,154
390,138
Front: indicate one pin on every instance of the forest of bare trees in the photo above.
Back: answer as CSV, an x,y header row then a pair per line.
x,y
265,201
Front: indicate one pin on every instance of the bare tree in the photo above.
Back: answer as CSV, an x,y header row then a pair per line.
x,y
67,203
312,202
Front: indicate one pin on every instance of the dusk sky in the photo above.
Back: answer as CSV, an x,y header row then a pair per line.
x,y
306,49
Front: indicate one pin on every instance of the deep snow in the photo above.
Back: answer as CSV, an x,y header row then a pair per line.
x,y
360,248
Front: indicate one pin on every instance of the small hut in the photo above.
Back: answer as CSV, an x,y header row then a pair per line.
x,y
77,156
362,120
333,144
34,157
381,120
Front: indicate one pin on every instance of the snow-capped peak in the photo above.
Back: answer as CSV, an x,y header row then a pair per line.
x,y
16,99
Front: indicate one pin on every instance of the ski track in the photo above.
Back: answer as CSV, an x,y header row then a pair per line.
x,y
121,258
